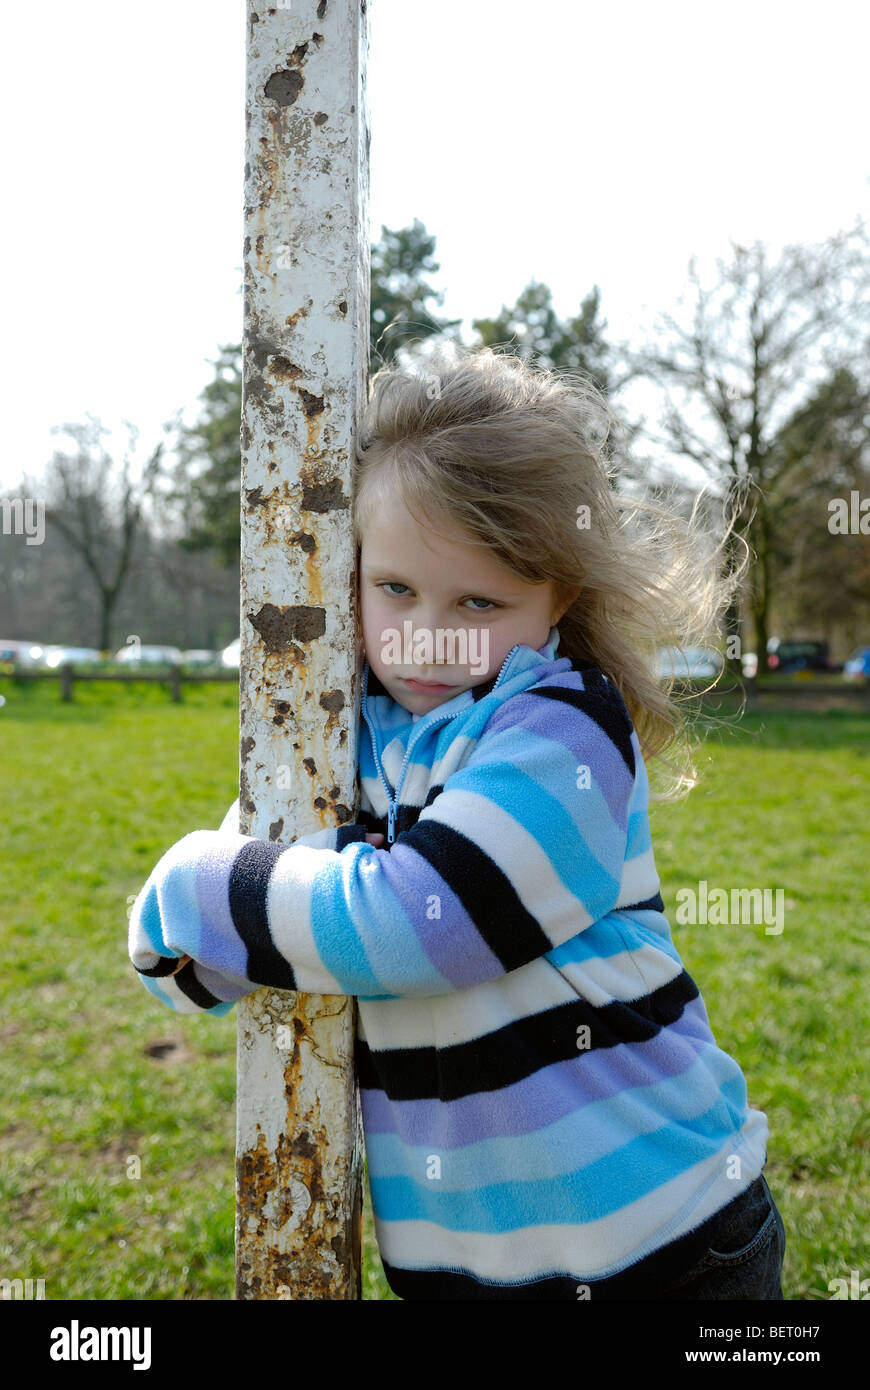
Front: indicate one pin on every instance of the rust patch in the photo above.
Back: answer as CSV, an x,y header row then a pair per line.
x,y
323,497
281,367
320,118
293,319
246,801
285,86
301,1146
312,405
310,766
333,702
246,745
255,497
342,306
275,828
305,541
280,628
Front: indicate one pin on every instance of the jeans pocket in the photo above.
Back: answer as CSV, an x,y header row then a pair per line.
x,y
736,1254
744,1254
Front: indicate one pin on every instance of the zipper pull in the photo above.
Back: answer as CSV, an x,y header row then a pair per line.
x,y
391,823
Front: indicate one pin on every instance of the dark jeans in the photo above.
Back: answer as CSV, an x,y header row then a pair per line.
x,y
743,1259
736,1254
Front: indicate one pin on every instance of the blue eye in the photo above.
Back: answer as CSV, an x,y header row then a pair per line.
x,y
392,584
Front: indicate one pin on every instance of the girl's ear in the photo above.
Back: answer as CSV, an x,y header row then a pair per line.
x,y
563,607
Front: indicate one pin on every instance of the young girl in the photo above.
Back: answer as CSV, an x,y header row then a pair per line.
x,y
546,1111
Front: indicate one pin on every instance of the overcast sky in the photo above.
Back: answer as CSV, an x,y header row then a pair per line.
x,y
571,142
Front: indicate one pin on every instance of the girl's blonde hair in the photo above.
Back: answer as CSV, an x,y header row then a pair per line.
x,y
514,457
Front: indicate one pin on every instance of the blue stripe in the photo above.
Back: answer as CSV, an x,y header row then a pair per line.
x,y
595,1130
594,1190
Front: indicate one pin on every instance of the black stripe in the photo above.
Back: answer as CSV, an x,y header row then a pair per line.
x,y
249,883
605,711
195,990
484,891
480,692
165,966
655,904
374,686
519,1049
350,834
446,1283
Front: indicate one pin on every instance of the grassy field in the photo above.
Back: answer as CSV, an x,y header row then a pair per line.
x,y
94,1072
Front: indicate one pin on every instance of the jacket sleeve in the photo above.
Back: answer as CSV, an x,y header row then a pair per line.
x,y
210,985
523,848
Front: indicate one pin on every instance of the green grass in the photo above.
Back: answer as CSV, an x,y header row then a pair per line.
x,y
97,790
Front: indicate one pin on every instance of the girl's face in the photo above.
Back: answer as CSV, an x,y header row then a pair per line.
x,y
416,588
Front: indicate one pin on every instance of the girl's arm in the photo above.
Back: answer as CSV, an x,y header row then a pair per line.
x,y
522,849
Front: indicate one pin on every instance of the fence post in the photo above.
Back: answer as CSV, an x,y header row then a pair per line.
x,y
305,364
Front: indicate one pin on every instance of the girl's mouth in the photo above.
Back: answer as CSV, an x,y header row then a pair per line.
x,y
426,687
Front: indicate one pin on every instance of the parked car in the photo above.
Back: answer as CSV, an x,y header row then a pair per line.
x,y
857,668
749,664
72,656
787,658
231,655
201,656
18,653
689,663
135,655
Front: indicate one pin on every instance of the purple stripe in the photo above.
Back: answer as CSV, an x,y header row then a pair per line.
x,y
545,1097
589,744
227,951
452,943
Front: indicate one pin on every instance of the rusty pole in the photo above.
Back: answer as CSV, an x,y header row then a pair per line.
x,y
306,316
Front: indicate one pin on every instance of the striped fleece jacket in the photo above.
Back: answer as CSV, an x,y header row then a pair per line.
x,y
543,1100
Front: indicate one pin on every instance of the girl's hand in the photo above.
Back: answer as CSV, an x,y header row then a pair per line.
x,y
376,839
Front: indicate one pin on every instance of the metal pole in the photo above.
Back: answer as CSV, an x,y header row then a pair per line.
x,y
306,317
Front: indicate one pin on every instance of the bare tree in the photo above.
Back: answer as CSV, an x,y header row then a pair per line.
x,y
98,511
759,343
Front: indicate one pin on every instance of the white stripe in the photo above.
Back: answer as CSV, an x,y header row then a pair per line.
x,y
288,905
639,879
594,1249
420,777
472,1013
